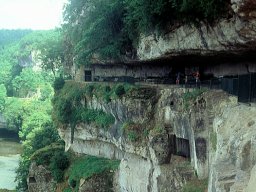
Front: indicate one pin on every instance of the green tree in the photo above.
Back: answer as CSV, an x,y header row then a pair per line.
x,y
2,97
29,115
95,35
51,52
37,139
10,36
27,82
13,113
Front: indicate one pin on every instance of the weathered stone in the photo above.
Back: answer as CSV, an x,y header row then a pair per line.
x,y
142,168
230,35
97,183
40,179
161,144
231,165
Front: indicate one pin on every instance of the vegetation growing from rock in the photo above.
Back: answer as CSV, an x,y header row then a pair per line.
x,y
37,139
190,96
135,131
70,103
88,166
53,157
196,185
110,29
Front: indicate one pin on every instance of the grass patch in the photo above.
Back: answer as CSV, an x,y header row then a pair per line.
x,y
88,166
135,131
157,130
99,117
68,190
196,185
190,96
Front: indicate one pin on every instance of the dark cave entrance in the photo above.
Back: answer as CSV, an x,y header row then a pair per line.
x,y
180,146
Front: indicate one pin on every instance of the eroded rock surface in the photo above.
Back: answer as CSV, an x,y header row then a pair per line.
x,y
232,164
40,179
230,35
97,183
213,133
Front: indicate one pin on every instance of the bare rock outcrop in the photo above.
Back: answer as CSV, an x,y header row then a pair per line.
x,y
40,179
233,35
233,162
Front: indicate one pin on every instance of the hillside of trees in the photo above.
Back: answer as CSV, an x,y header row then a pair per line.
x,y
29,63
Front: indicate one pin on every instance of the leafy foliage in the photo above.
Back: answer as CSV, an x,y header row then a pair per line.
x,y
10,36
196,186
119,90
26,91
100,34
52,52
3,93
26,83
58,83
100,118
70,106
59,162
37,139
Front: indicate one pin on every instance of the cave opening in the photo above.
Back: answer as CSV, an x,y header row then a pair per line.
x,y
31,180
180,146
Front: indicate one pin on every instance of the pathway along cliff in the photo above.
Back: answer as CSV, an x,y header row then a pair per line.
x,y
10,150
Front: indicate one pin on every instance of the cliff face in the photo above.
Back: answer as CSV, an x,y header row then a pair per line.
x,y
233,162
179,134
209,133
230,35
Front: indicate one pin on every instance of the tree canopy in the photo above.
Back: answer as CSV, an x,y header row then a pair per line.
x,y
28,65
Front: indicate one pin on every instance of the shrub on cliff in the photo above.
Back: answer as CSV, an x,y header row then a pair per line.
x,y
99,117
70,103
59,162
58,83
119,90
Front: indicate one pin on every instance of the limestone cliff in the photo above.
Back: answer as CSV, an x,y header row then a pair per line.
x,y
235,34
233,162
209,132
